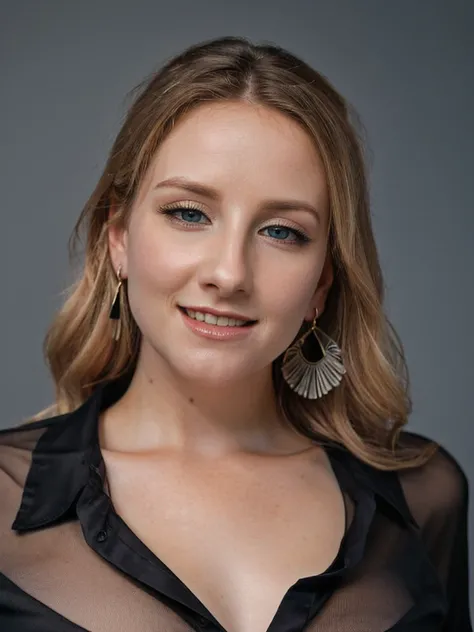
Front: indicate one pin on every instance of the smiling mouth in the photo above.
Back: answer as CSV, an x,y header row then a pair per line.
x,y
211,319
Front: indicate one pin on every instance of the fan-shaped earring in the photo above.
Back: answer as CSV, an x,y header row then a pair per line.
x,y
313,379
114,313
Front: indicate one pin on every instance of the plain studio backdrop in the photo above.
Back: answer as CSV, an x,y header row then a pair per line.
x,y
406,66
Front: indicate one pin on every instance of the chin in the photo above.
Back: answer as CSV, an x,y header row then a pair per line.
x,y
208,368
210,376
210,372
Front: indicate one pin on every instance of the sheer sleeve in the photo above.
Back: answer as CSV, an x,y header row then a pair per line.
x,y
438,496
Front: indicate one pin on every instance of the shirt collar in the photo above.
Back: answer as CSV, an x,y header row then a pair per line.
x,y
386,486
63,458
68,450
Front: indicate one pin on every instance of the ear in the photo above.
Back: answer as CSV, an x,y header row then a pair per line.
x,y
117,235
324,285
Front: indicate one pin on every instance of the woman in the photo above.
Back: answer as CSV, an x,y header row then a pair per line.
x,y
226,451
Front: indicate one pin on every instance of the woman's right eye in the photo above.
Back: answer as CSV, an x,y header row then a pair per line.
x,y
183,215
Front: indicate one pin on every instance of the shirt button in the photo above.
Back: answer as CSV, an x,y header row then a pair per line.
x,y
101,536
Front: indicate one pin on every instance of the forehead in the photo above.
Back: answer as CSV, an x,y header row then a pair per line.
x,y
229,145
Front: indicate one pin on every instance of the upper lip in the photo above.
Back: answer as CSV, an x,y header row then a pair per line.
x,y
210,310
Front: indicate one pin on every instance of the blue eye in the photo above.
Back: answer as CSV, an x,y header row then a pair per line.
x,y
188,215
191,215
281,233
194,215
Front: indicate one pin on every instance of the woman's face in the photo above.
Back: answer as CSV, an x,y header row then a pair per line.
x,y
232,245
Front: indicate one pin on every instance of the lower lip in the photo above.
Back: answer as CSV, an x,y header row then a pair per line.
x,y
215,332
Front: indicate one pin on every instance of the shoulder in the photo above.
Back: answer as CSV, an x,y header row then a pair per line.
x,y
437,489
19,440
17,444
22,437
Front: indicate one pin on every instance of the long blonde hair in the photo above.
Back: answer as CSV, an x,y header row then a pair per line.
x,y
368,410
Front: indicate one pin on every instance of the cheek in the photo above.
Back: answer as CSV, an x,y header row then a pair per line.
x,y
290,290
286,298
153,265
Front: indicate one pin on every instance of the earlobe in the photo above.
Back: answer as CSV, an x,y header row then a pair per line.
x,y
324,285
117,237
327,276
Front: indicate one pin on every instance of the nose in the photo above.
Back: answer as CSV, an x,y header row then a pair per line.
x,y
227,265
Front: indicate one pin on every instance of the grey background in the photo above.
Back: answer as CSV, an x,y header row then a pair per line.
x,y
407,66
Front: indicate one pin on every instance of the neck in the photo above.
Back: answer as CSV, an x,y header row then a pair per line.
x,y
161,411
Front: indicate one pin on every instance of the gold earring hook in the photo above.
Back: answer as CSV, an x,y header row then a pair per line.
x,y
315,319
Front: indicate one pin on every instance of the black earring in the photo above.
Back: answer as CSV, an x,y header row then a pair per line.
x,y
114,313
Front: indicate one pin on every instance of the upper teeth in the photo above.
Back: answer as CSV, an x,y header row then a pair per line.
x,y
215,320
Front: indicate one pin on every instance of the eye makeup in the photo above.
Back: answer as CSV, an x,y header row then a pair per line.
x,y
194,213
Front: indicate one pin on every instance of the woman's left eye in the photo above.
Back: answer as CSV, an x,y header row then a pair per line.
x,y
280,232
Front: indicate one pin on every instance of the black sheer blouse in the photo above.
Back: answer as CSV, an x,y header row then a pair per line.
x,y
68,562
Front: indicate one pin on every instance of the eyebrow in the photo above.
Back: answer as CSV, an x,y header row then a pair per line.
x,y
212,194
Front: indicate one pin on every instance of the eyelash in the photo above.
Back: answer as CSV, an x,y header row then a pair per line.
x,y
170,210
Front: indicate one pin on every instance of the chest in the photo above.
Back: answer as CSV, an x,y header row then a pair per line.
x,y
237,533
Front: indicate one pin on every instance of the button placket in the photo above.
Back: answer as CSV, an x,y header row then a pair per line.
x,y
101,535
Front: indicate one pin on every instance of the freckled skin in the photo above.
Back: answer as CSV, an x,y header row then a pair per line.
x,y
248,155
231,260
200,422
